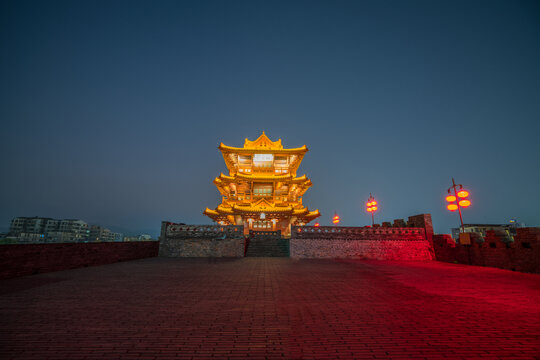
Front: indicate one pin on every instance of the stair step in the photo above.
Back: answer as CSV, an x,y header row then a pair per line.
x,y
268,247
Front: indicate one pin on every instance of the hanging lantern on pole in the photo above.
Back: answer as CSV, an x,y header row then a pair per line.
x,y
371,207
458,199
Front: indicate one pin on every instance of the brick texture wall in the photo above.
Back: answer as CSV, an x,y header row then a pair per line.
x,y
523,254
361,249
202,247
27,259
179,240
403,241
380,243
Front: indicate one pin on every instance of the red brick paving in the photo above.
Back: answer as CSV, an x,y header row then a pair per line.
x,y
259,308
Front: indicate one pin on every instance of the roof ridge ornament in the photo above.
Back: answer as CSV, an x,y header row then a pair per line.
x,y
264,142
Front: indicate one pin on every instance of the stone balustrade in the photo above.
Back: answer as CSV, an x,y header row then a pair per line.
x,y
357,233
265,234
179,231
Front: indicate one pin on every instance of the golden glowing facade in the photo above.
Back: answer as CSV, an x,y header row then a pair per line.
x,y
262,191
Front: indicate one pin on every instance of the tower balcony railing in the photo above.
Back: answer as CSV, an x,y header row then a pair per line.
x,y
263,170
252,196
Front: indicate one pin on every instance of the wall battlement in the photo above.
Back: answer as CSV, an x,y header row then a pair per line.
x,y
493,250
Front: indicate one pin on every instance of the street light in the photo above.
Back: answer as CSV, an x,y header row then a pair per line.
x,y
372,206
457,200
335,219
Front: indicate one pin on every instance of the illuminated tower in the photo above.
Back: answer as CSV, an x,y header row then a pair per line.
x,y
262,191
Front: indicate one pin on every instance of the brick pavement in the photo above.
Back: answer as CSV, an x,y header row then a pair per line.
x,y
258,308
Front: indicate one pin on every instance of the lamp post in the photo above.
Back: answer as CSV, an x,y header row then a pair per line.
x,y
453,202
372,207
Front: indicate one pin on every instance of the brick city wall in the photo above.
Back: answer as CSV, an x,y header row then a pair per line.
x,y
27,259
383,243
178,240
522,254
411,240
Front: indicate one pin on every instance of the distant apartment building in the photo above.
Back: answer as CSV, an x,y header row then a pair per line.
x,y
142,237
51,225
30,225
102,234
507,230
38,229
30,238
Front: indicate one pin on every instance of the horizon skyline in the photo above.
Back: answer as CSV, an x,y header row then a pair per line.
x,y
326,222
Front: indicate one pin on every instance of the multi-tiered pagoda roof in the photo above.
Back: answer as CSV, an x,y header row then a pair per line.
x,y
262,191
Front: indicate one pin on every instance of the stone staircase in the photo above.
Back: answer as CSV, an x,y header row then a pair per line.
x,y
267,247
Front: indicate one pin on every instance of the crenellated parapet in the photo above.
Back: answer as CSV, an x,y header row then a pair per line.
x,y
496,249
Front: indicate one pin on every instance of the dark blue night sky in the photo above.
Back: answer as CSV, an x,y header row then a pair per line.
x,y
112,111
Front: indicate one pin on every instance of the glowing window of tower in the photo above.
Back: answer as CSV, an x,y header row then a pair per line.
x,y
263,160
262,190
280,164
